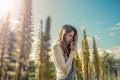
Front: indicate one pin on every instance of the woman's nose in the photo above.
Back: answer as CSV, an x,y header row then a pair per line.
x,y
71,39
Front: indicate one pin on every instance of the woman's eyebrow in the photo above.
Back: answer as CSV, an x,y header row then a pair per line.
x,y
71,35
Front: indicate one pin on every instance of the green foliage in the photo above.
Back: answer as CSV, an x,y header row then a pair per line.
x,y
110,62
52,71
31,76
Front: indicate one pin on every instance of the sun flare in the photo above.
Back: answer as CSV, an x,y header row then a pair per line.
x,y
5,6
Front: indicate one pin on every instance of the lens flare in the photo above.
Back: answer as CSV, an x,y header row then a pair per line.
x,y
5,6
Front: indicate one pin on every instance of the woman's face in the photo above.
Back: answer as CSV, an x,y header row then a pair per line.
x,y
69,37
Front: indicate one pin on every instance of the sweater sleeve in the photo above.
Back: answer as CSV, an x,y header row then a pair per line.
x,y
60,61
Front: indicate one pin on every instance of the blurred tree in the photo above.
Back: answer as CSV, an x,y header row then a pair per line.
x,y
111,63
43,67
24,42
11,56
77,63
39,55
109,74
96,62
47,47
4,47
118,74
85,57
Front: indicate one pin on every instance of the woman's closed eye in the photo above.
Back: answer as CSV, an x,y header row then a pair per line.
x,y
70,35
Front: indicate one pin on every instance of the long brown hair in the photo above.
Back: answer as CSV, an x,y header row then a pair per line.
x,y
61,38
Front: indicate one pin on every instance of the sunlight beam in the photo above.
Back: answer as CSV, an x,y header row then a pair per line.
x,y
5,7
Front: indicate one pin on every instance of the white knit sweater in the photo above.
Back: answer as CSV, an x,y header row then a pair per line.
x,y
62,67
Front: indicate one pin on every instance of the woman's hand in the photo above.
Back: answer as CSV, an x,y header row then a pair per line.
x,y
72,46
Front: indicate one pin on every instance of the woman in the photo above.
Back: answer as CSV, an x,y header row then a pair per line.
x,y
63,51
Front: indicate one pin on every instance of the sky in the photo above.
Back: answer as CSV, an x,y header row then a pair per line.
x,y
100,18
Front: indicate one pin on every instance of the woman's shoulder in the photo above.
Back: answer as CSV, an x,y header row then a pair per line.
x,y
55,45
